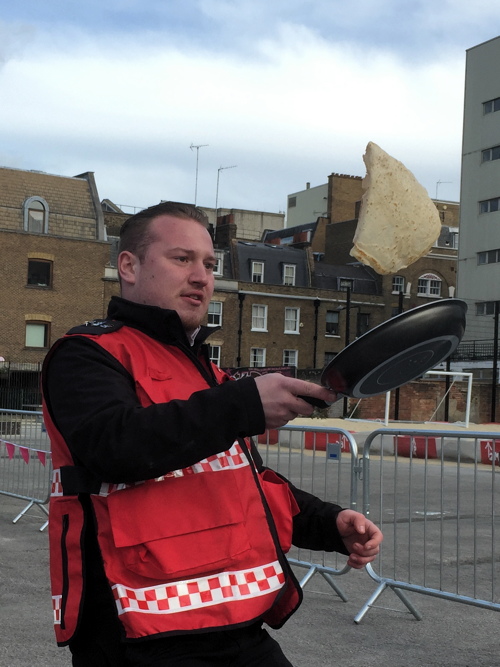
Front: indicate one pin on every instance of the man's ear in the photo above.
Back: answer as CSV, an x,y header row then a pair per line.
x,y
127,267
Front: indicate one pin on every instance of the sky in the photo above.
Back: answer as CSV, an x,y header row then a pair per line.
x,y
274,93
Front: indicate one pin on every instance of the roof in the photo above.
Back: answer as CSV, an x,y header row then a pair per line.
x,y
273,257
329,276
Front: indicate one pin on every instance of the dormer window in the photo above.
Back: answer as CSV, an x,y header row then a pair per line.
x,y
257,272
289,274
36,215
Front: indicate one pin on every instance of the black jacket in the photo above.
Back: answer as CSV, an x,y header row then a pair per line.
x,y
93,403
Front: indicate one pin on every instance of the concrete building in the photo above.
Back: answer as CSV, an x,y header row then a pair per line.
x,y
479,247
307,205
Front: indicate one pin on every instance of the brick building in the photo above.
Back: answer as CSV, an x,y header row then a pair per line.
x,y
55,260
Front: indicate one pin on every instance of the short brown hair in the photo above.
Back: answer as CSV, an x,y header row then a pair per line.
x,y
135,235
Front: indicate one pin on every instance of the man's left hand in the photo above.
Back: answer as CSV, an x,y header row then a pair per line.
x,y
361,537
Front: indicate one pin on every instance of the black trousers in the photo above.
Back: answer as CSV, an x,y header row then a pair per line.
x,y
247,647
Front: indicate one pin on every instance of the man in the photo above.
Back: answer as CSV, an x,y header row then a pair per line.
x,y
167,533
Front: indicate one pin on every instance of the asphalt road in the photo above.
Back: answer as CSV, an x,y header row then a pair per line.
x,y
321,633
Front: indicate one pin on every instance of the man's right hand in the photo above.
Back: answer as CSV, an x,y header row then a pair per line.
x,y
280,397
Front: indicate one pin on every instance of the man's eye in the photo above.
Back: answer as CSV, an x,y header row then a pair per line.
x,y
210,266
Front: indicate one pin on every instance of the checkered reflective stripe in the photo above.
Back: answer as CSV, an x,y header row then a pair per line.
x,y
203,592
56,608
56,488
232,458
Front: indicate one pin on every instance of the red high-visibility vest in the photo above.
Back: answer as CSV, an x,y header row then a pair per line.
x,y
202,547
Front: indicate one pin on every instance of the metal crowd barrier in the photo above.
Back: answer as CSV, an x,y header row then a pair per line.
x,y
322,461
436,497
25,460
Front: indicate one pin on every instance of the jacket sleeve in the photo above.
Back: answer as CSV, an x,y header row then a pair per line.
x,y
92,401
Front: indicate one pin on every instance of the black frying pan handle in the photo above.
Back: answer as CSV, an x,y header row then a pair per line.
x,y
317,402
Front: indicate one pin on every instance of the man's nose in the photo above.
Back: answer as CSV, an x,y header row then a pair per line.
x,y
199,273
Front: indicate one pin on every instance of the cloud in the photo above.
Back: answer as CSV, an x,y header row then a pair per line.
x,y
286,96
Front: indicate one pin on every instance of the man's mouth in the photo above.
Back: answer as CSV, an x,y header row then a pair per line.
x,y
194,297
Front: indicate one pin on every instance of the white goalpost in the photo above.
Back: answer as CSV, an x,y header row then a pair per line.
x,y
457,375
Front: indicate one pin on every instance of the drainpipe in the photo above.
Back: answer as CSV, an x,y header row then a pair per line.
x,y
317,304
241,298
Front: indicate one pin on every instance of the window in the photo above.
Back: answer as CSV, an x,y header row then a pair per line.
x,y
292,317
36,215
292,202
332,322
345,284
290,357
329,356
398,284
257,357
39,273
219,263
37,334
257,272
488,256
289,274
429,285
485,308
491,105
490,154
259,318
489,205
214,314
362,323
214,354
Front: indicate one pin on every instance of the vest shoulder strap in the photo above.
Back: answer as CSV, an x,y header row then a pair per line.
x,y
96,327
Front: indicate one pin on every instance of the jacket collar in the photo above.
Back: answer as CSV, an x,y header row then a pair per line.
x,y
158,323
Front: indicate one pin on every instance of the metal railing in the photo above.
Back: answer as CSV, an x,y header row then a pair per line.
x,y
25,460
322,461
436,497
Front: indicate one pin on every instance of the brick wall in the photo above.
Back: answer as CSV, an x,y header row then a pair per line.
x,y
419,400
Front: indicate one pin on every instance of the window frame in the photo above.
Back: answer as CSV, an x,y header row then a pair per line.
x,y
398,284
254,351
430,279
257,274
295,330
257,316
46,334
215,358
214,315
488,205
46,262
337,323
286,278
219,263
44,207
295,354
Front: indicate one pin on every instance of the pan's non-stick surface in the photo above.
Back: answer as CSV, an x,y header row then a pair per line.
x,y
398,350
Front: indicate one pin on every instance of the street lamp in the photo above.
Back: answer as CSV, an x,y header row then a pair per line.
x,y
196,181
217,190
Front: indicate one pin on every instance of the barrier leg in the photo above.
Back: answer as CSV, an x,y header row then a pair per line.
x,y
371,602
27,508
328,577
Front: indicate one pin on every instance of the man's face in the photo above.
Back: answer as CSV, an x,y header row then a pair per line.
x,y
176,272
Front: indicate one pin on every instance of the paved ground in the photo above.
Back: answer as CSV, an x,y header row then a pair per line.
x,y
321,633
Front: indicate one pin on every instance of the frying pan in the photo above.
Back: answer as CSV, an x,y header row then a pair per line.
x,y
396,351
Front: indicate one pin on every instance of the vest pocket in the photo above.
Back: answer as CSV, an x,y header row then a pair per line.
x,y
179,526
282,504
